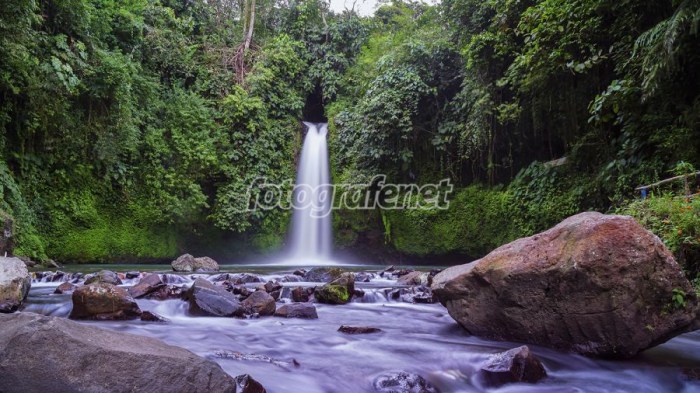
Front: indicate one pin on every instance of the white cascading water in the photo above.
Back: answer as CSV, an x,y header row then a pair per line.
x,y
311,219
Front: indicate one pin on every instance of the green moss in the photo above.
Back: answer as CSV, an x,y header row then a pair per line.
x,y
88,228
117,241
477,221
14,204
332,294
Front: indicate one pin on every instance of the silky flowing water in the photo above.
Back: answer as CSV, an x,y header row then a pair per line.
x,y
420,338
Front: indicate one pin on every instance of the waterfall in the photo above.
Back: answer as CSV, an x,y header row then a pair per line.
x,y
311,219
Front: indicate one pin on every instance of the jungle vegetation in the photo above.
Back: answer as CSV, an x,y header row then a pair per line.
x,y
129,128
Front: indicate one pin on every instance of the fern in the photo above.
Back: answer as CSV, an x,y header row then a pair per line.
x,y
660,46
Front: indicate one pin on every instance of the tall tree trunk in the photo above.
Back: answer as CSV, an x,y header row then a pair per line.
x,y
244,16
251,24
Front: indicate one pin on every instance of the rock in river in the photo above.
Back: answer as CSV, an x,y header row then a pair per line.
x,y
414,278
297,310
65,287
338,291
259,302
14,284
148,316
322,274
246,384
300,294
49,354
103,302
515,365
208,299
599,285
147,284
103,276
358,329
402,382
188,264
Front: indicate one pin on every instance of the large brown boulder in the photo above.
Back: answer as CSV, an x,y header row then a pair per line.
x,y
103,302
14,284
49,354
595,284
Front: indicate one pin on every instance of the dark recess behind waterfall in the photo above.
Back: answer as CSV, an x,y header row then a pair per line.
x,y
314,111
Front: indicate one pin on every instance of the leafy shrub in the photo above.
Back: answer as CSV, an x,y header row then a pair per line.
x,y
676,220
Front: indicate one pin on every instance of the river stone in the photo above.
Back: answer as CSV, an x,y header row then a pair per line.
x,y
65,287
205,264
272,286
290,278
166,292
244,278
259,302
103,301
414,278
300,294
402,382
332,294
297,310
147,284
599,285
149,316
208,299
15,282
188,264
103,276
514,365
246,384
81,358
338,291
346,280
322,274
358,329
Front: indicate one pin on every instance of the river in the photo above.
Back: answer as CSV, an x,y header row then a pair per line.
x,y
418,338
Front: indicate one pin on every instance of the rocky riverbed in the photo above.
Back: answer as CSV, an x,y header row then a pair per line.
x,y
595,285
418,348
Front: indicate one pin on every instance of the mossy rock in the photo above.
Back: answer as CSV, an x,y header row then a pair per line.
x,y
332,294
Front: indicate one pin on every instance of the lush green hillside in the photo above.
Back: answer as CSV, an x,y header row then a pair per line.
x,y
132,128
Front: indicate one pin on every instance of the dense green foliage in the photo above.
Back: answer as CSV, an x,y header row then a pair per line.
x,y
676,220
485,92
131,129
